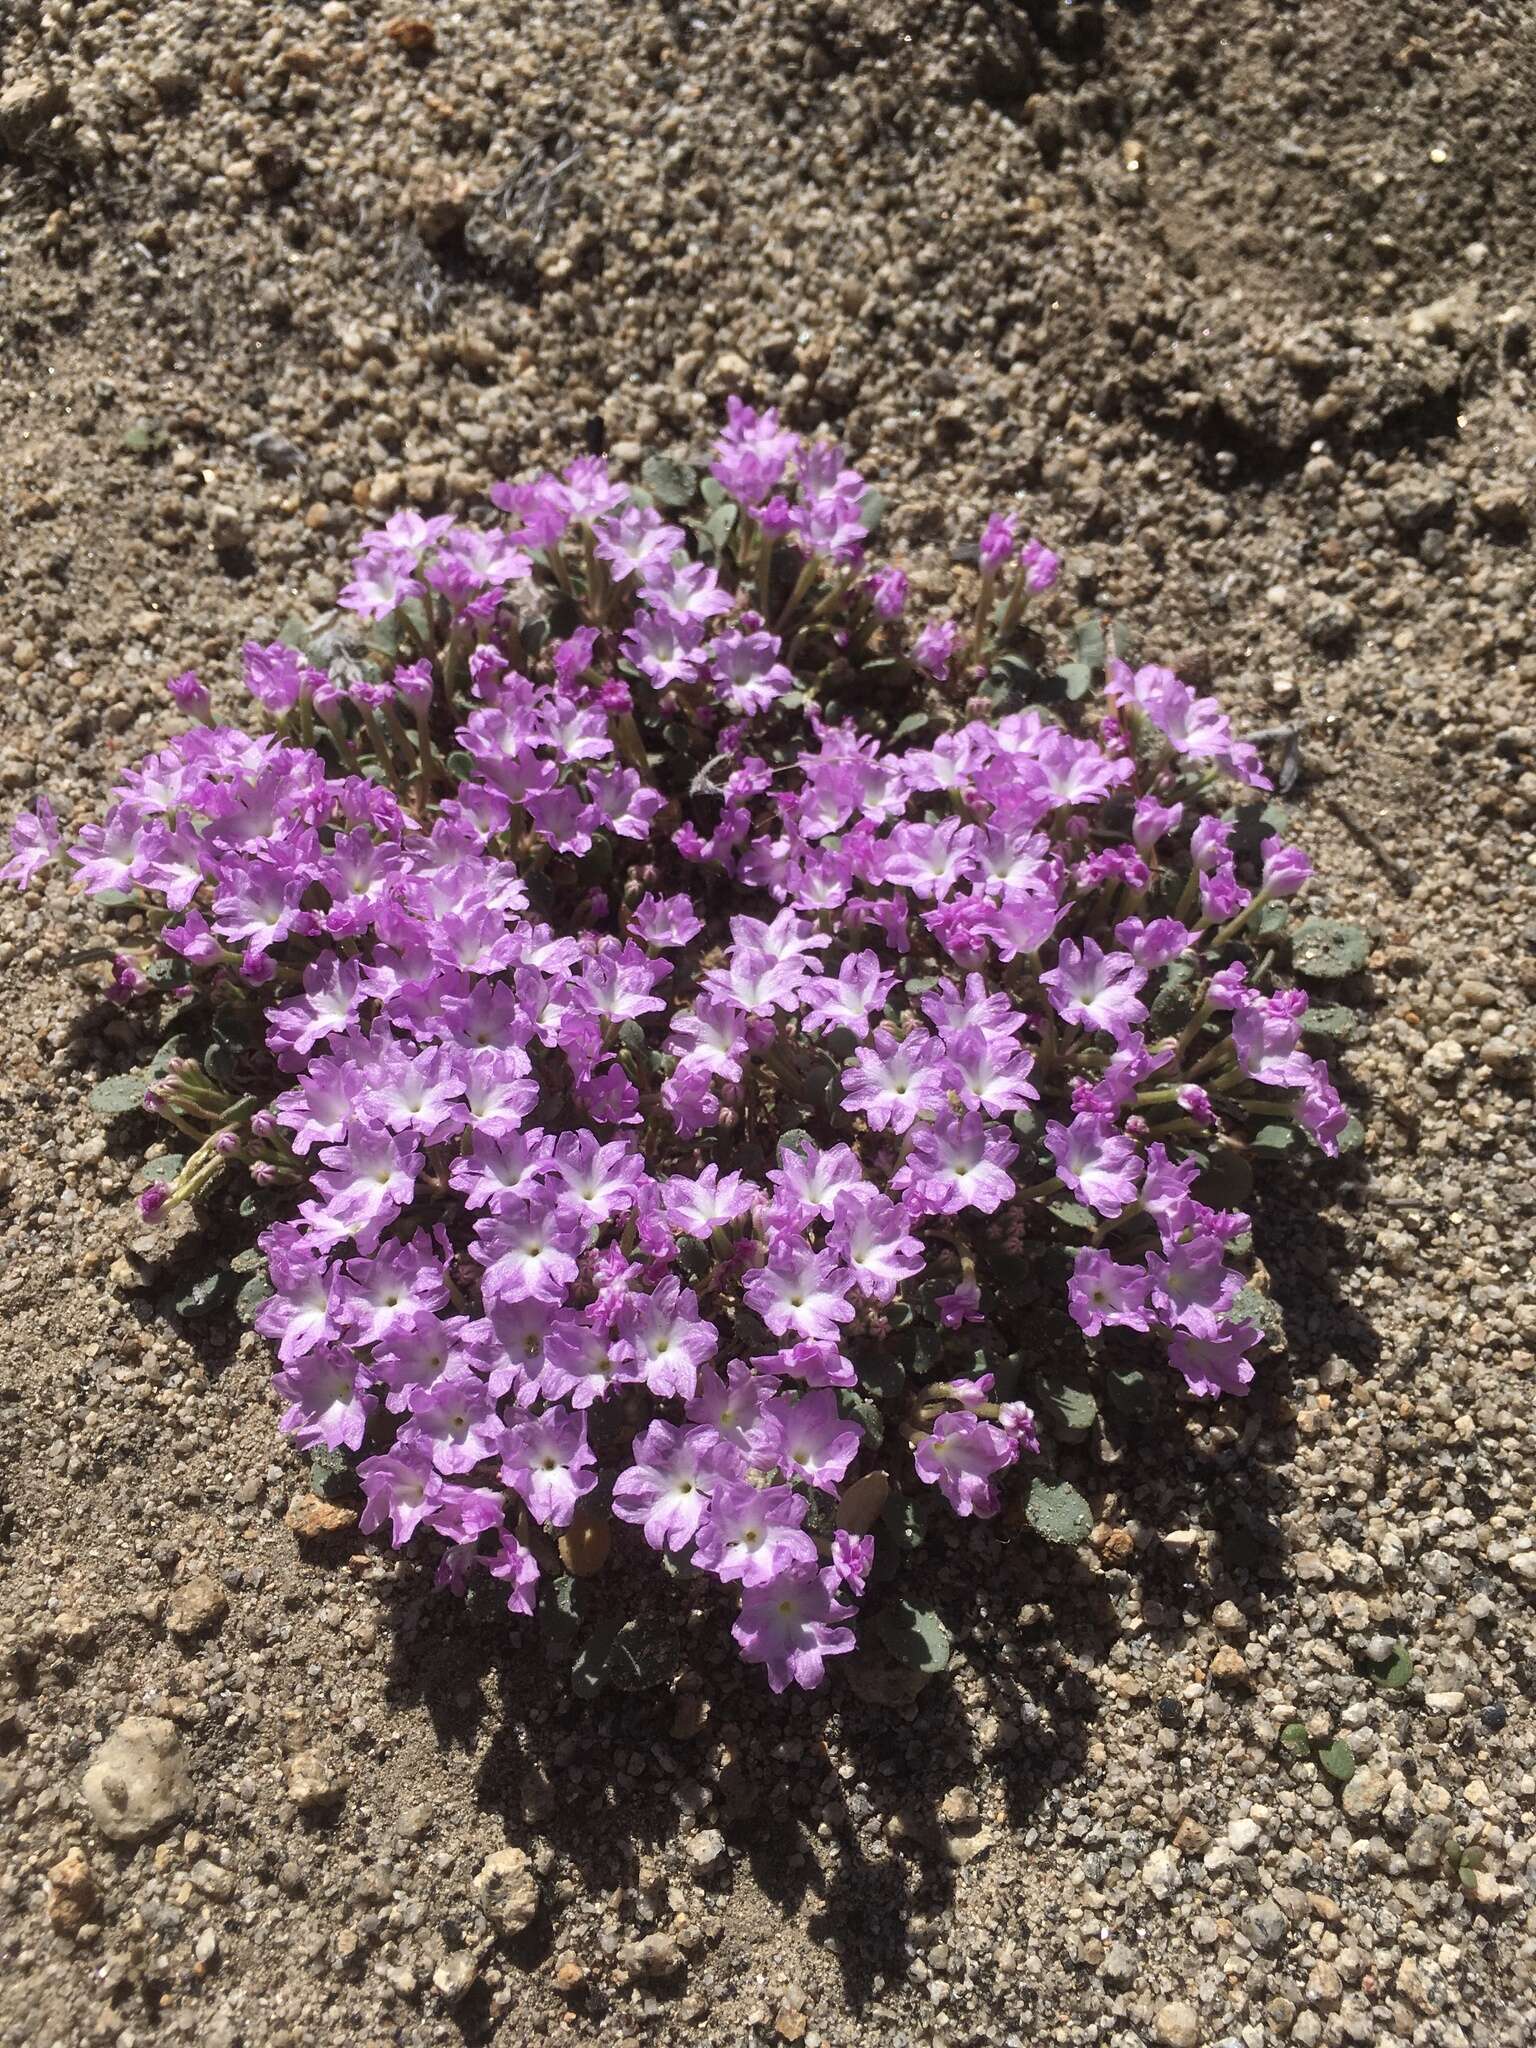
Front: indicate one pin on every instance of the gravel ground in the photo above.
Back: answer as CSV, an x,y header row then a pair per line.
x,y
1236,298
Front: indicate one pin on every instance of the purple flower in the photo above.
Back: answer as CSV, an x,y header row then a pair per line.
x,y
1319,1110
547,1460
895,1081
934,648
400,1488
808,1438
852,1557
328,1409
800,1292
1286,868
752,1534
844,1000
990,1072
871,1237
1267,1033
1041,565
517,1569
366,1180
790,1627
888,593
1095,989
1191,1282
1103,1291
998,540
1214,1357
527,1246
1094,1160
708,1202
34,841
666,1339
664,895
961,1457
453,1420
668,1487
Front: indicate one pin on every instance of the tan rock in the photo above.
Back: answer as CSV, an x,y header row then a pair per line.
x,y
73,1899
506,1891
1229,1667
314,1782
196,1607
310,1517
138,1781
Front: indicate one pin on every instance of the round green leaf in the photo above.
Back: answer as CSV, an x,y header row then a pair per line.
x,y
1329,949
206,1295
914,1635
669,482
1338,1760
251,1296
1058,1512
1069,1410
119,1094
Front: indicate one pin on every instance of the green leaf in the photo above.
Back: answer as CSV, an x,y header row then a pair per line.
x,y
144,437
856,1407
1268,923
914,723
207,1295
1069,1410
670,482
1252,1305
118,1094
915,1635
589,1667
219,1062
872,510
1395,1671
1076,678
1227,1182
330,1475
178,1048
617,1653
251,1296
1330,1024
1057,1511
1127,1388
1329,949
561,1607
460,766
1294,1737
1073,1214
719,526
905,1520
1272,1139
883,1374
158,1172
1173,1005
1338,1760
1090,641
638,1659
1351,1138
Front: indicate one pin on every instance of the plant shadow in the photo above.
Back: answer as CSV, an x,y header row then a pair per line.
x,y
853,1807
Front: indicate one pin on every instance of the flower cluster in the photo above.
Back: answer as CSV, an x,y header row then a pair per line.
x,y
673,999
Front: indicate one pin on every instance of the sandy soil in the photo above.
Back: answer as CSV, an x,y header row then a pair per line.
x,y
1237,299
